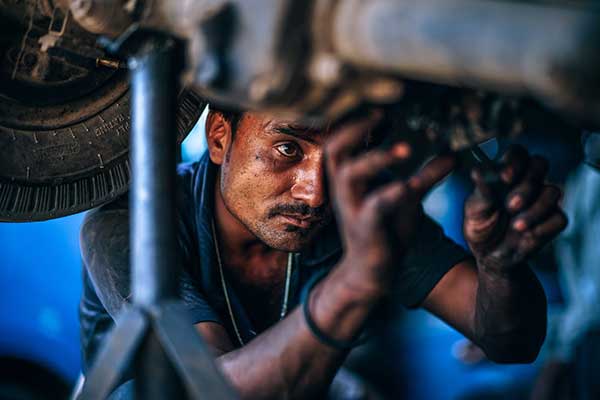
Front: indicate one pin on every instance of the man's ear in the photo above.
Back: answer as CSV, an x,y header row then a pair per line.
x,y
218,136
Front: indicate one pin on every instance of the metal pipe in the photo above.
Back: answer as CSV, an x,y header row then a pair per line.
x,y
549,50
154,87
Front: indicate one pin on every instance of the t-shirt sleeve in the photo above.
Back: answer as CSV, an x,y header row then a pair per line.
x,y
426,262
104,242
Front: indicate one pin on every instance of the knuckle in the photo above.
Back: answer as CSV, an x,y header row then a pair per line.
x,y
330,147
373,209
375,158
528,242
344,174
401,191
388,198
333,149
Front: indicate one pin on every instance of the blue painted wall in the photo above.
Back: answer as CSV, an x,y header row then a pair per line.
x,y
40,285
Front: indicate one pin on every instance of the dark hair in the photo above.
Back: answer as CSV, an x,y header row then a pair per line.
x,y
232,115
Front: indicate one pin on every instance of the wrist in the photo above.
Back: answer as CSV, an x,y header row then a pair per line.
x,y
337,307
361,285
500,270
324,337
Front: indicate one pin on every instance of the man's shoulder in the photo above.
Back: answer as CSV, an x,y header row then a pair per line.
x,y
108,217
104,246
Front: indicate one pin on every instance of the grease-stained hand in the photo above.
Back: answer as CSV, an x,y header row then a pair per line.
x,y
376,221
504,232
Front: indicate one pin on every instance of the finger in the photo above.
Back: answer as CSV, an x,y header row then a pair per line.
x,y
480,214
433,172
384,200
514,164
533,240
526,191
482,187
544,206
348,139
552,226
356,175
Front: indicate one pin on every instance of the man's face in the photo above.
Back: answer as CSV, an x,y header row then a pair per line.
x,y
273,181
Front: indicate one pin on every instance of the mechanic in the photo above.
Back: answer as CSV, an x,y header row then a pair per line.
x,y
288,248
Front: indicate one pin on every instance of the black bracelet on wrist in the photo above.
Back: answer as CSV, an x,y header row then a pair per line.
x,y
318,333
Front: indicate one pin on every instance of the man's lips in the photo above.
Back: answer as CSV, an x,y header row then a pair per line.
x,y
301,221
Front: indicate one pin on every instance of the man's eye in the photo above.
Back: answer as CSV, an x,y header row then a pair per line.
x,y
288,149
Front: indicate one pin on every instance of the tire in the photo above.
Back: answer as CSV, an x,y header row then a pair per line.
x,y
61,169
64,119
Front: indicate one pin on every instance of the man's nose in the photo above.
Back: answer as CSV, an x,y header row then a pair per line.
x,y
309,186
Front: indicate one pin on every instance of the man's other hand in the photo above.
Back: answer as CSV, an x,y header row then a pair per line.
x,y
504,232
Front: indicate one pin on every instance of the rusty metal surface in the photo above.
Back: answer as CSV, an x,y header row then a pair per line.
x,y
320,58
64,110
64,116
549,50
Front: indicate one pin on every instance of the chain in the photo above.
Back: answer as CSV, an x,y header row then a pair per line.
x,y
286,293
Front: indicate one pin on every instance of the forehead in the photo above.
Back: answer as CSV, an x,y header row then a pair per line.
x,y
265,126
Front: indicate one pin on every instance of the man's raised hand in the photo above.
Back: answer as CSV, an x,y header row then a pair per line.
x,y
376,221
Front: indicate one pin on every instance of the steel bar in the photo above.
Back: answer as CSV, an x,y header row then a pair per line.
x,y
116,355
155,375
191,357
154,86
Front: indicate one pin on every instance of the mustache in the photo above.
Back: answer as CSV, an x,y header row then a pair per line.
x,y
300,209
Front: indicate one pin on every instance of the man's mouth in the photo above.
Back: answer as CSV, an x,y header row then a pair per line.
x,y
301,221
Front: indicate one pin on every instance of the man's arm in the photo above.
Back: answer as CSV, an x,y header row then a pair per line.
x,y
495,299
504,315
287,361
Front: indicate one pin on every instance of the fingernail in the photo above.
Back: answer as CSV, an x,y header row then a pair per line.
x,y
520,225
401,150
515,203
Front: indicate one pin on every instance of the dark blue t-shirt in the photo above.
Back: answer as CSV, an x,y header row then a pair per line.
x,y
105,250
